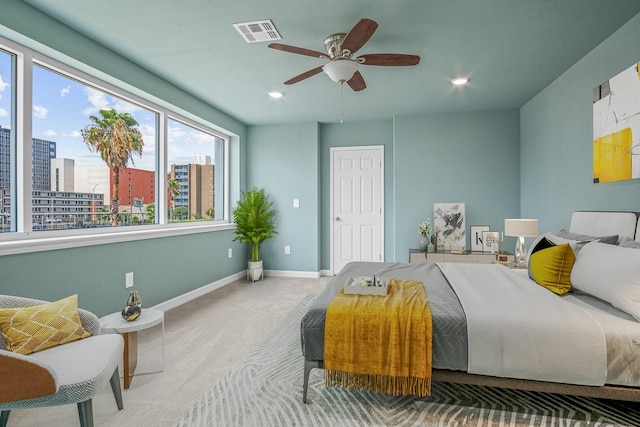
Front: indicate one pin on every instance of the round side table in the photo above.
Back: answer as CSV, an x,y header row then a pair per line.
x,y
114,323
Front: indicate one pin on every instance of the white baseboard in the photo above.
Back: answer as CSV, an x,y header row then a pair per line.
x,y
196,293
325,273
301,274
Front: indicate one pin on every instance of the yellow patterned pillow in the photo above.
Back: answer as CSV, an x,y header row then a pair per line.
x,y
30,329
551,268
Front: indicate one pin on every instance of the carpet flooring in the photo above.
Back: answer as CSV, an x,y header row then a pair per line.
x,y
265,389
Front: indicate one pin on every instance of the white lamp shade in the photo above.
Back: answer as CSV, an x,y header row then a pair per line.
x,y
340,70
521,227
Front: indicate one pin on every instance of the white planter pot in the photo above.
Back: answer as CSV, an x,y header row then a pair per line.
x,y
255,271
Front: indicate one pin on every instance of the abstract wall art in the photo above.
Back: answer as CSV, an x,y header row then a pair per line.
x,y
616,127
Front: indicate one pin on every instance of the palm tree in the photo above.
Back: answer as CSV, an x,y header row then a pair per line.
x,y
174,189
115,136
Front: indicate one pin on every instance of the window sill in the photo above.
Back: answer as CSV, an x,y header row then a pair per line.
x,y
39,241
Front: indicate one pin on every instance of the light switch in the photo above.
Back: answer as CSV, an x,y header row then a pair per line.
x,y
128,280
296,203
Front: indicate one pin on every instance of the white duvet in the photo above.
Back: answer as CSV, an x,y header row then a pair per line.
x,y
517,329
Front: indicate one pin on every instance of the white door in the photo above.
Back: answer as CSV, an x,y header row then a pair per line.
x,y
357,200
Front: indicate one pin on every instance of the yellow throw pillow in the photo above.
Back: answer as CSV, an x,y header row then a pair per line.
x,y
30,329
551,268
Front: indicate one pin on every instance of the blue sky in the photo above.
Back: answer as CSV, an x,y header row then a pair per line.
x,y
62,106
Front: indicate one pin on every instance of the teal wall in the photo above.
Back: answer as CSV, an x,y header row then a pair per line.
x,y
556,131
163,269
284,160
455,157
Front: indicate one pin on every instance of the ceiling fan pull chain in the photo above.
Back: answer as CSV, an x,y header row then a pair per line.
x,y
341,100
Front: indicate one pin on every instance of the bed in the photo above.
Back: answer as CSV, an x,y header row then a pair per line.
x,y
585,342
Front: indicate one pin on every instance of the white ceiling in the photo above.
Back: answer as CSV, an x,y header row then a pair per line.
x,y
511,49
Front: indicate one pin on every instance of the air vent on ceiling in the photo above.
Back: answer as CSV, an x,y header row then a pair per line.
x,y
258,31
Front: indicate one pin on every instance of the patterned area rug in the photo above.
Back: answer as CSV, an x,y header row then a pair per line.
x,y
265,389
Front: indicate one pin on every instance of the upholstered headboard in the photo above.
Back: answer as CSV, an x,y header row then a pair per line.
x,y
600,223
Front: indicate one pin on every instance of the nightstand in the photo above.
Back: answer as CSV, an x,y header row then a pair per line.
x,y
417,256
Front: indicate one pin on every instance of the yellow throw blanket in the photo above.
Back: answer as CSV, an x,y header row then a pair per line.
x,y
380,343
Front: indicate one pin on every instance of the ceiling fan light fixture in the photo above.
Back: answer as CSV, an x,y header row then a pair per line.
x,y
340,70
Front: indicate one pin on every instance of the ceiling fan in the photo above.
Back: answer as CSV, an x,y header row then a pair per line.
x,y
340,49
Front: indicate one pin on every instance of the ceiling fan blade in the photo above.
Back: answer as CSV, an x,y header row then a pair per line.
x,y
388,59
298,50
304,75
359,35
357,82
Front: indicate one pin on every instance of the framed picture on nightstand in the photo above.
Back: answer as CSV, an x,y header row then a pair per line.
x,y
475,232
490,241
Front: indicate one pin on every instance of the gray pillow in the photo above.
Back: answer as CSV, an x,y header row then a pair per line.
x,y
627,242
610,240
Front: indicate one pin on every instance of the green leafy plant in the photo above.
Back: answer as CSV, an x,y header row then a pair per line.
x,y
253,216
116,137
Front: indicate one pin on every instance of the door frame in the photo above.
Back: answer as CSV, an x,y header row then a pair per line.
x,y
332,150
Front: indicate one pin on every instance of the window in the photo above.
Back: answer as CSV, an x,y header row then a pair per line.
x,y
7,141
196,173
63,186
79,188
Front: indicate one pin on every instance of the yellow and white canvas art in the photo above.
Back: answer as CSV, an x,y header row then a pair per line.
x,y
616,127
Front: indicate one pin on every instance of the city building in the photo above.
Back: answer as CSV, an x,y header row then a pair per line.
x,y
196,188
42,153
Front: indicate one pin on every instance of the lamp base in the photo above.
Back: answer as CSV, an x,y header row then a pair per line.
x,y
520,252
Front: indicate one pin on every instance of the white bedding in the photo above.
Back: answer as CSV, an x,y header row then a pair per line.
x,y
622,333
517,330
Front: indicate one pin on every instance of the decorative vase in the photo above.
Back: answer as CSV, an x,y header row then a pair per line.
x,y
255,270
133,308
424,242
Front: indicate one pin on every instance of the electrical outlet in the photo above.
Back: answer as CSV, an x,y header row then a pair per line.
x,y
230,253
296,203
287,250
128,280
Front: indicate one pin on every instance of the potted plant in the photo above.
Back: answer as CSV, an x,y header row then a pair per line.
x,y
253,216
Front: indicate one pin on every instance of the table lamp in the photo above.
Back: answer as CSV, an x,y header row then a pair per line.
x,y
521,228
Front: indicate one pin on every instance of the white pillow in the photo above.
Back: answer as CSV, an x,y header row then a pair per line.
x,y
611,273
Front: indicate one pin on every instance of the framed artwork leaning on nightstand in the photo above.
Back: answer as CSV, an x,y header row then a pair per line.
x,y
475,234
490,241
449,225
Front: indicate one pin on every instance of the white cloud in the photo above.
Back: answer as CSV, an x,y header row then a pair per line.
x,y
3,112
3,85
64,91
175,132
98,101
49,133
200,138
40,112
73,134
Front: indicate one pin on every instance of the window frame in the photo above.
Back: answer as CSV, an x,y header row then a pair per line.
x,y
24,239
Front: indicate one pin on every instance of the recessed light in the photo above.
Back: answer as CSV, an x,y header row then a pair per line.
x,y
460,81
276,95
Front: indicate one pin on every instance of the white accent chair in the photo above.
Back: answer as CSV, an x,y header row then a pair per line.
x,y
61,375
